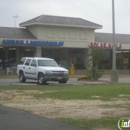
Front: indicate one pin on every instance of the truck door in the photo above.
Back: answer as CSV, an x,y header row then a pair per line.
x,y
26,68
33,69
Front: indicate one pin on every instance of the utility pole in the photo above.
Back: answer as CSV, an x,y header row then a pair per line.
x,y
114,71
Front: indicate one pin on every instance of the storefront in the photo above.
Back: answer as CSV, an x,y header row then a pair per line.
x,y
65,39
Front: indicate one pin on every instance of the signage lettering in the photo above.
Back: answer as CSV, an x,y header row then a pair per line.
x,y
104,45
30,42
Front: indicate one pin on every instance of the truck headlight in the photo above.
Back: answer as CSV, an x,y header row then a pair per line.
x,y
66,72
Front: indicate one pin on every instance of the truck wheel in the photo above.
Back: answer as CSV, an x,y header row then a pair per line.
x,y
21,77
41,79
63,81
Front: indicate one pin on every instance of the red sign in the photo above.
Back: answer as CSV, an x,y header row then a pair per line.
x,y
105,45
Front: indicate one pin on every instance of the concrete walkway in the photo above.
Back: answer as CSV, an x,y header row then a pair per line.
x,y
14,119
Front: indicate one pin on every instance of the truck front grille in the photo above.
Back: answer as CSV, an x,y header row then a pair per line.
x,y
58,73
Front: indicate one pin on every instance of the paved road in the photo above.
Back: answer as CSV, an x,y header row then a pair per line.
x,y
15,81
72,81
14,119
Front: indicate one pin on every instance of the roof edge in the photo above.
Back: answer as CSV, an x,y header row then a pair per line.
x,y
78,26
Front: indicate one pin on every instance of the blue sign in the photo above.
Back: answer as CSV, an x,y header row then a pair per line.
x,y
28,42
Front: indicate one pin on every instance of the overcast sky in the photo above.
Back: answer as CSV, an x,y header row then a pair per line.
x,y
97,11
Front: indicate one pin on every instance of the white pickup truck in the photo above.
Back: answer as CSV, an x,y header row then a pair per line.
x,y
41,69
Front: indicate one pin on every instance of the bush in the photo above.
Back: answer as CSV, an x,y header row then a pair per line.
x,y
94,73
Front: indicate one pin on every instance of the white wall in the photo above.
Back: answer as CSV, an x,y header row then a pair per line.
x,y
72,37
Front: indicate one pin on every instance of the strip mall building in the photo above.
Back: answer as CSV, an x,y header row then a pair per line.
x,y
67,40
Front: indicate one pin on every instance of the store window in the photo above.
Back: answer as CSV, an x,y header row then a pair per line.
x,y
122,59
1,57
29,52
12,58
8,57
60,55
106,63
79,58
46,52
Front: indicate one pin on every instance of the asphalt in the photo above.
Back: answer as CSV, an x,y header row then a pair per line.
x,y
15,81
14,119
71,81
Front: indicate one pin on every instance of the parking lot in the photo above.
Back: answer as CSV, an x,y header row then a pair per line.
x,y
71,81
15,81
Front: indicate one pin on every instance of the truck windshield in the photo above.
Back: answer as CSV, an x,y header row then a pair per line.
x,y
47,63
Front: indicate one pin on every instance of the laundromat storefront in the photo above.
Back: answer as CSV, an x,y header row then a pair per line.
x,y
11,50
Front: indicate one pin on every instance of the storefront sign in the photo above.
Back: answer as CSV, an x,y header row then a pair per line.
x,y
28,42
105,45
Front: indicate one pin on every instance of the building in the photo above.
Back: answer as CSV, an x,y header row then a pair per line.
x,y
68,40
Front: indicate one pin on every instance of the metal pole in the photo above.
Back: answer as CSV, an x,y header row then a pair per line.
x,y
114,44
114,72
15,17
14,21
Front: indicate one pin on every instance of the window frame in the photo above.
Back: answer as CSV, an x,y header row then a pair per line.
x,y
29,62
35,62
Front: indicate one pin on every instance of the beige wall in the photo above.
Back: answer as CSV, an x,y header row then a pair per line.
x,y
33,30
72,37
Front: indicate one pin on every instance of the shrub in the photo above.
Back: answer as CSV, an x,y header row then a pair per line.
x,y
94,73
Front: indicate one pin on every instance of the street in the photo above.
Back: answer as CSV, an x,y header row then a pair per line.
x,y
71,81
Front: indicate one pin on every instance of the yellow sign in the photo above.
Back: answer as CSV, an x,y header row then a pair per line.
x,y
125,60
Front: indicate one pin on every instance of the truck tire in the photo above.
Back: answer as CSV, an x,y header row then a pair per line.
x,y
22,79
41,80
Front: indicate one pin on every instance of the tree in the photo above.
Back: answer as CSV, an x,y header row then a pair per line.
x,y
97,55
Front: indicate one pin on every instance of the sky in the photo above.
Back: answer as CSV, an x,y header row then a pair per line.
x,y
97,11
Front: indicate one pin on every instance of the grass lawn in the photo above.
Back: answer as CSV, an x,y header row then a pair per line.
x,y
89,92
65,92
104,92
109,123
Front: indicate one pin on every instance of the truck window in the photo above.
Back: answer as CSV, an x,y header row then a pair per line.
x,y
27,62
33,63
47,63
